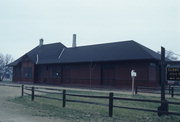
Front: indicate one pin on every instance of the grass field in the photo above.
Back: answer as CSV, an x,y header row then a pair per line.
x,y
94,113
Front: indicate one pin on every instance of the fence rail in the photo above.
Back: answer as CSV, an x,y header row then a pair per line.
x,y
47,92
52,89
27,93
140,100
10,85
139,109
110,104
87,96
79,101
170,90
52,98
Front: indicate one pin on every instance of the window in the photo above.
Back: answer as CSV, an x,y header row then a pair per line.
x,y
108,74
152,72
56,74
27,72
67,74
152,65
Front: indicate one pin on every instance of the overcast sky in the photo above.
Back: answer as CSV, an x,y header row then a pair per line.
x,y
153,23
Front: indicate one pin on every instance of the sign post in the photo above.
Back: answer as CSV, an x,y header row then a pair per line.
x,y
163,109
133,75
173,74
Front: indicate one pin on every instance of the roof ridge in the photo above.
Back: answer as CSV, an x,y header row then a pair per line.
x,y
53,43
101,44
144,49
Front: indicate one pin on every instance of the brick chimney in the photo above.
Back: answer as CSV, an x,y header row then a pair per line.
x,y
41,42
74,40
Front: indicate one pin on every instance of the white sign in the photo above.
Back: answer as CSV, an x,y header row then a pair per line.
x,y
133,73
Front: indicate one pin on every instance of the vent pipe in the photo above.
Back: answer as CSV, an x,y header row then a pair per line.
x,y
74,40
41,42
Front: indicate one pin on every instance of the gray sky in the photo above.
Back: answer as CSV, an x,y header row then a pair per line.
x,y
153,23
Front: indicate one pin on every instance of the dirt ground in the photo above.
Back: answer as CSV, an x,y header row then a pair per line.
x,y
12,112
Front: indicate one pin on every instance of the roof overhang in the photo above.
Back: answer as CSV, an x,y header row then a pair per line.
x,y
173,62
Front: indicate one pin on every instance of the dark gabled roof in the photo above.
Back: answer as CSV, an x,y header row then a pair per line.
x,y
15,62
117,51
46,54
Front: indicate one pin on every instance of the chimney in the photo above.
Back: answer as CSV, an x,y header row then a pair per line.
x,y
41,42
74,40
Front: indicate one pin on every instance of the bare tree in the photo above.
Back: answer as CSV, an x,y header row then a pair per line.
x,y
4,61
170,55
1,64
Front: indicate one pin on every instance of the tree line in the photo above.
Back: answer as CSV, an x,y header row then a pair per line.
x,y
5,59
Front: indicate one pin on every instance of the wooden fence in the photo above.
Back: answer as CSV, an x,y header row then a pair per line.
x,y
111,98
170,90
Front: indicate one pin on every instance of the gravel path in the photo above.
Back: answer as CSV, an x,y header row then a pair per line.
x,y
12,112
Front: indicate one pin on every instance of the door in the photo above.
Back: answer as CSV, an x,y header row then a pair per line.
x,y
108,75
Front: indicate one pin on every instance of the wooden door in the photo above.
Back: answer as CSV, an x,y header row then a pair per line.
x,y
108,75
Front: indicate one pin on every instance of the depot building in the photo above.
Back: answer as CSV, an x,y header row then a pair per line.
x,y
100,65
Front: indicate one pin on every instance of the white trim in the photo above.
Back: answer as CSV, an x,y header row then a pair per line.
x,y
37,59
61,53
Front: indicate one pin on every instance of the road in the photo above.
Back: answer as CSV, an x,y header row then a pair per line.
x,y
12,112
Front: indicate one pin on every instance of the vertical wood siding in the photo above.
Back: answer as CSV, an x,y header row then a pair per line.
x,y
109,74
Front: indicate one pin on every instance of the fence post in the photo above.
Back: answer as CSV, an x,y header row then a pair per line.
x,y
22,90
32,95
64,98
136,90
172,91
110,104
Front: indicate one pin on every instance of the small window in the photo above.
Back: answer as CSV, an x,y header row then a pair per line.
x,y
152,72
152,64
55,72
56,75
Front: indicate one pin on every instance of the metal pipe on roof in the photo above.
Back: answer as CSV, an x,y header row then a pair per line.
x,y
74,40
41,42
